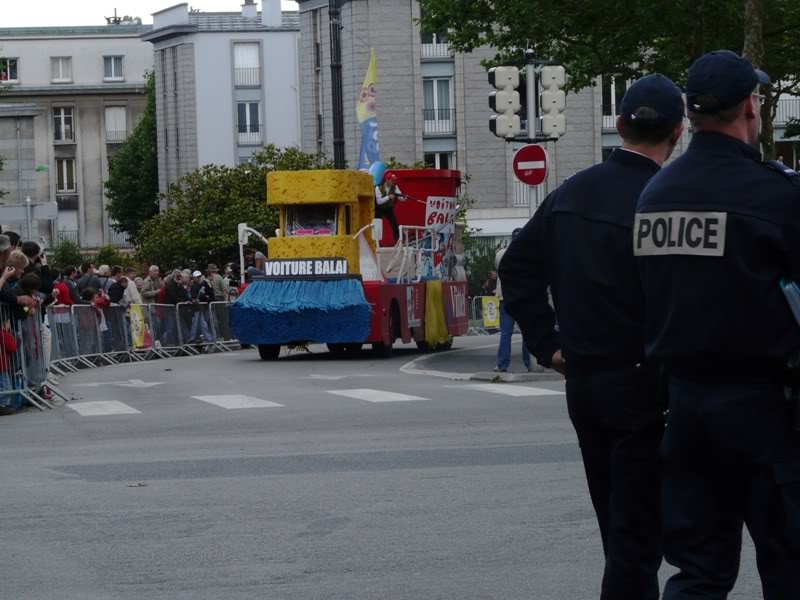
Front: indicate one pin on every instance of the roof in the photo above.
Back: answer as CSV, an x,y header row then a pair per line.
x,y
75,31
234,21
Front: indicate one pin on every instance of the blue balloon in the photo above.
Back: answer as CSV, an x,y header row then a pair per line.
x,y
377,170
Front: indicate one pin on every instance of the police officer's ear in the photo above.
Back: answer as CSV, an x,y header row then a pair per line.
x,y
676,134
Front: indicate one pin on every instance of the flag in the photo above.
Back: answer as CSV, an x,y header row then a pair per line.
x,y
368,117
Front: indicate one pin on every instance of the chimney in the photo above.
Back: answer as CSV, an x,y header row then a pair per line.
x,y
249,9
271,15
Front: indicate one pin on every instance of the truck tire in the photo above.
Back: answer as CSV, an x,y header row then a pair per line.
x,y
380,349
269,351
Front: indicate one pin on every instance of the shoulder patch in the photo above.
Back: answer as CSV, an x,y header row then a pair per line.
x,y
680,232
781,168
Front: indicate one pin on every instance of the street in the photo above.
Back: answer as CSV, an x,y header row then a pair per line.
x,y
312,477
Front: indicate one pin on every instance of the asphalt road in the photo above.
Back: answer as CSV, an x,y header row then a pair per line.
x,y
222,477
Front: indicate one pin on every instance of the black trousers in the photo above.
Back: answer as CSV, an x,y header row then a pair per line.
x,y
730,457
618,416
387,211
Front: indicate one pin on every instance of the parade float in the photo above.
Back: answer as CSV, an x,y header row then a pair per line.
x,y
336,275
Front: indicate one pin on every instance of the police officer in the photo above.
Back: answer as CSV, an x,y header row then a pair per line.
x,y
579,244
715,232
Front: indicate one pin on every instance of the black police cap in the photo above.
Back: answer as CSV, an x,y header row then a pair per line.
x,y
720,80
654,97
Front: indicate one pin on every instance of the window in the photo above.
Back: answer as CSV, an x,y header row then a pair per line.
x,y
116,124
613,89
8,69
440,160
248,123
112,68
65,175
437,113
63,125
61,69
311,219
247,64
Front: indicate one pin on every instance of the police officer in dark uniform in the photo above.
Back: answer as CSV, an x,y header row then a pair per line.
x,y
715,233
579,245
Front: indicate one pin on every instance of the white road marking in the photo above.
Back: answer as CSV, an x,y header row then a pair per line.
x,y
375,395
508,390
102,408
531,164
131,383
233,401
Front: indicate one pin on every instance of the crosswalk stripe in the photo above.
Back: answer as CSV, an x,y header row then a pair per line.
x,y
102,408
371,395
509,390
234,401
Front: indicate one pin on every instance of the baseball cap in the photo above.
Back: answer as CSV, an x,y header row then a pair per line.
x,y
197,274
516,232
720,80
658,94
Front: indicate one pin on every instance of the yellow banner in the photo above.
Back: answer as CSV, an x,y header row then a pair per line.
x,y
491,311
137,325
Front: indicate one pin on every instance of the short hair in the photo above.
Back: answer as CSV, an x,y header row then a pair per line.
x,y
17,260
85,267
14,237
103,270
68,270
724,117
153,268
31,249
5,243
645,126
88,294
130,270
30,282
116,270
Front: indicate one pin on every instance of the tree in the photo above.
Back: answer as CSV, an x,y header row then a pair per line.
x,y
132,186
205,207
65,254
629,38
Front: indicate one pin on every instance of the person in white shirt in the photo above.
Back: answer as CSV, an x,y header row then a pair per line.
x,y
385,197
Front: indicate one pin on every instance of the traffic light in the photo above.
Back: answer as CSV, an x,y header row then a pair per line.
x,y
505,102
553,101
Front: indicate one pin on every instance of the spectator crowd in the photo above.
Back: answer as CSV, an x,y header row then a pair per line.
x,y
29,287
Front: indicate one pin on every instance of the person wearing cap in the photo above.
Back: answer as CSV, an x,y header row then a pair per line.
x,y
579,246
201,294
216,282
507,323
715,233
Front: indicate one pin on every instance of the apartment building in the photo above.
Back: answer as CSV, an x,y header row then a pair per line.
x,y
432,105
226,85
70,96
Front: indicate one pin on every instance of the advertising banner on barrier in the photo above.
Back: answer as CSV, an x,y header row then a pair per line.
x,y
138,326
491,311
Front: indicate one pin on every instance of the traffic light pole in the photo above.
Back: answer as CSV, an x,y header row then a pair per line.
x,y
334,13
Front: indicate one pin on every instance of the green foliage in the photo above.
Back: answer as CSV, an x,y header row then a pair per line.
x,y
625,38
132,186
393,163
111,256
205,207
65,254
792,128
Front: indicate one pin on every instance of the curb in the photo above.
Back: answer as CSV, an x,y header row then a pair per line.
x,y
516,377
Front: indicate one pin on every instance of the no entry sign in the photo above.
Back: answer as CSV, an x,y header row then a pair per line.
x,y
530,164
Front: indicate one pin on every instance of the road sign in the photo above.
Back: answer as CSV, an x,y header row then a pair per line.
x,y
530,164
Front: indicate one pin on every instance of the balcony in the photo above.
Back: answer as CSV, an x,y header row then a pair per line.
x,y
434,45
524,195
116,137
439,121
117,238
247,77
788,108
67,235
250,135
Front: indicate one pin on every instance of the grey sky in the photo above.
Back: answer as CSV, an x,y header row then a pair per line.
x,y
46,13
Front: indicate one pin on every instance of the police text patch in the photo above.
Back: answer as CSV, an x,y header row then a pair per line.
x,y
679,232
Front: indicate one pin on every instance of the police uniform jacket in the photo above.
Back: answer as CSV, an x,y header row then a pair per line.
x,y
715,232
579,244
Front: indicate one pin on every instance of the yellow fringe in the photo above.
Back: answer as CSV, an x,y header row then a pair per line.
x,y
435,324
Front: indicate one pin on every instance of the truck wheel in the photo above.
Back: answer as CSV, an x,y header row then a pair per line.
x,y
269,351
380,349
353,348
423,346
336,348
448,345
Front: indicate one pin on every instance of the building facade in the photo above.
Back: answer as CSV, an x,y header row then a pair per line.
x,y
226,85
70,96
